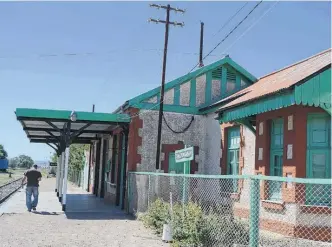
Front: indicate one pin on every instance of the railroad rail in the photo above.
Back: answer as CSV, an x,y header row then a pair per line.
x,y
6,190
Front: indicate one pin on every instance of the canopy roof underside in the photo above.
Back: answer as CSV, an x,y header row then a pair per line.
x,y
45,126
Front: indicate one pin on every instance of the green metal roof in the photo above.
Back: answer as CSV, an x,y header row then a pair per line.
x,y
189,76
316,91
44,126
262,105
65,115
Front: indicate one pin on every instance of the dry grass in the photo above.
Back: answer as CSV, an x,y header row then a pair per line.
x,y
16,173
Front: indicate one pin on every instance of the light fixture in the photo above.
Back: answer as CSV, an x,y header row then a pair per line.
x,y
73,116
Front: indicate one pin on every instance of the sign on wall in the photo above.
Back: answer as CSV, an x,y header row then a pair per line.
x,y
185,154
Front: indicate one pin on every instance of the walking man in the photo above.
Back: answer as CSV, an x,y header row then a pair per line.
x,y
33,176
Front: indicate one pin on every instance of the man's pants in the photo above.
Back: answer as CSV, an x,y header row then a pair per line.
x,y
31,190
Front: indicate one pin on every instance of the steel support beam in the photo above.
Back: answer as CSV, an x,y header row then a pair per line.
x,y
65,178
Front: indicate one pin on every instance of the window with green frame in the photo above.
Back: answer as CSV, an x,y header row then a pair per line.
x,y
233,150
276,158
318,158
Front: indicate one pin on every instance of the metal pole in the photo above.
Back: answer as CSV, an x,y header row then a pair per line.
x,y
254,213
58,174
61,175
201,46
184,181
65,177
162,89
101,157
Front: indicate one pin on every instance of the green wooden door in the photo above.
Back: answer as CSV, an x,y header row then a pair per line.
x,y
318,158
276,158
233,150
174,167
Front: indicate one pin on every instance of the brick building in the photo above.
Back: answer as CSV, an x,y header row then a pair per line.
x,y
189,119
278,125
289,112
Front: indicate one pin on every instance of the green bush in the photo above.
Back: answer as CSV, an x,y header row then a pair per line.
x,y
192,228
158,214
185,223
219,230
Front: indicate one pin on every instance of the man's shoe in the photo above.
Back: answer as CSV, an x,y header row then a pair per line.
x,y
29,210
34,208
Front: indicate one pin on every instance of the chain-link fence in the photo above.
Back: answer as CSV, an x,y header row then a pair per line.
x,y
234,210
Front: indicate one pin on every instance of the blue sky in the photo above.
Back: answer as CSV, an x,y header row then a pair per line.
x,y
125,58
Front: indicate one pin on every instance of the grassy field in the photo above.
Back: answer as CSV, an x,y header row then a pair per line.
x,y
17,173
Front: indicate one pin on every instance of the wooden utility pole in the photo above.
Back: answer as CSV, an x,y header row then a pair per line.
x,y
201,46
162,89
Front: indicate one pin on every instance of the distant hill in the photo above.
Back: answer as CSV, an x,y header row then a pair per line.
x,y
42,163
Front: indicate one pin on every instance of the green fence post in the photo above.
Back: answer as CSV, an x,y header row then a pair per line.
x,y
254,213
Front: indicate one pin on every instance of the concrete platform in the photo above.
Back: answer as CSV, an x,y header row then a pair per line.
x,y
48,200
88,221
78,202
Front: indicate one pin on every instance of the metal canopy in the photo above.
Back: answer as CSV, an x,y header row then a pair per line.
x,y
51,126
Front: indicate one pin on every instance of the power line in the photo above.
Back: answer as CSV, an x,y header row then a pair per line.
x,y
140,114
96,53
251,26
231,18
229,33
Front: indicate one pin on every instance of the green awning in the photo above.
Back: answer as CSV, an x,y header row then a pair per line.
x,y
45,126
316,91
256,107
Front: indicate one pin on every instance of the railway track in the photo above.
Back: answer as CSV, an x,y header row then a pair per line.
x,y
9,188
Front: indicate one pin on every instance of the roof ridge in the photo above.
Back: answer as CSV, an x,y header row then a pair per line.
x,y
291,65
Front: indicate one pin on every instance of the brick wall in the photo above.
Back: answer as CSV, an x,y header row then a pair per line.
x,y
297,136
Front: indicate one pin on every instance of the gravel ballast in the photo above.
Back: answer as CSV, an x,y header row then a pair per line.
x,y
7,189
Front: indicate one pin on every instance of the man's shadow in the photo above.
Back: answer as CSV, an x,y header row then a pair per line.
x,y
45,213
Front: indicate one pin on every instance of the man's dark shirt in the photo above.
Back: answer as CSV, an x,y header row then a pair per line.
x,y
33,175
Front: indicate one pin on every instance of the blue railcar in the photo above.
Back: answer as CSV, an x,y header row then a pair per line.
x,y
3,164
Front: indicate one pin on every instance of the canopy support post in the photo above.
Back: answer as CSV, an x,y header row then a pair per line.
x,y
65,177
61,175
58,173
101,155
67,140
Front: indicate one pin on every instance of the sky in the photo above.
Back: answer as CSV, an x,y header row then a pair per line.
x,y
118,54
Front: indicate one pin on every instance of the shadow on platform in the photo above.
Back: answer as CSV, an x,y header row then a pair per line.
x,y
90,207
97,216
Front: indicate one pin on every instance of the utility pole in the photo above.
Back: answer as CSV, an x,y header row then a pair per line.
x,y
201,46
162,89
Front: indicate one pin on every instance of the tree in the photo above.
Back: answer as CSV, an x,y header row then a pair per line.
x,y
54,158
3,152
25,161
76,156
14,162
